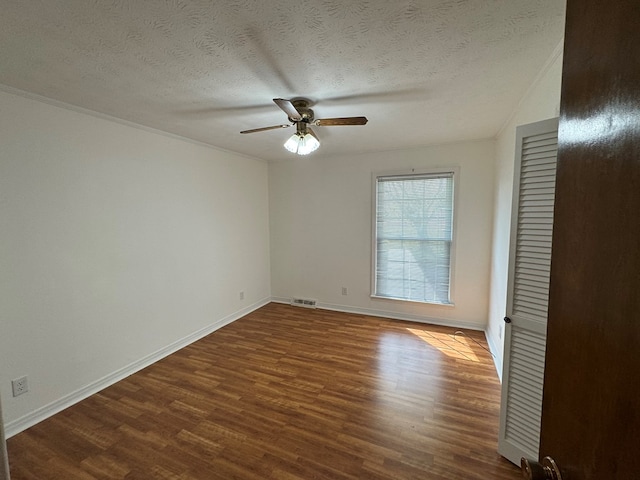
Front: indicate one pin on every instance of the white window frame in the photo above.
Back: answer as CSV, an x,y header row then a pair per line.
x,y
374,223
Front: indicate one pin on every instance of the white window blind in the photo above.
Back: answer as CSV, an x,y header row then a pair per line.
x,y
413,237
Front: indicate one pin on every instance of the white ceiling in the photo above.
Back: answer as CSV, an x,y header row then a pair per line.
x,y
422,71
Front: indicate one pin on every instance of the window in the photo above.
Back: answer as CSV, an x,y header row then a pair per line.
x,y
413,237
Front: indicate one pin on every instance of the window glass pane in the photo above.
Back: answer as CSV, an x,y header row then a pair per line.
x,y
414,220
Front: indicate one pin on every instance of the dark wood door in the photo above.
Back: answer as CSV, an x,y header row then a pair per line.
x,y
591,405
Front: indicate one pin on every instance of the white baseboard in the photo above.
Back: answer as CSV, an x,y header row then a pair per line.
x,y
16,426
387,314
496,352
497,355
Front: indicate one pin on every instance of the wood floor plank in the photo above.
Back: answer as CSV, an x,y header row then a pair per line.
x,y
290,394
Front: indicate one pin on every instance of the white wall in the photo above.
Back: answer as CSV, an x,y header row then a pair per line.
x,y
321,215
118,246
541,102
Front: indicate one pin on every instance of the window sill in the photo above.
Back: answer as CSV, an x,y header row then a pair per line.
x,y
406,300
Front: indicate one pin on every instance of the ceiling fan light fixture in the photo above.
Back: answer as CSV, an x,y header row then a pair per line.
x,y
302,143
292,143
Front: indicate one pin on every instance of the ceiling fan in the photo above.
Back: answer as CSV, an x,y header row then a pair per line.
x,y
304,141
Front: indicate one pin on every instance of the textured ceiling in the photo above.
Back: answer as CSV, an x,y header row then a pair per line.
x,y
422,71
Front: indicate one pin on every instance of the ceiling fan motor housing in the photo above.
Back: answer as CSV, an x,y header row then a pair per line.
x,y
302,106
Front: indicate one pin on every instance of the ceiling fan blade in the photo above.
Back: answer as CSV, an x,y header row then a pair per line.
x,y
327,122
254,130
288,108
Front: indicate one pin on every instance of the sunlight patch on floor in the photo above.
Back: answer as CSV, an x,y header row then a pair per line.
x,y
455,346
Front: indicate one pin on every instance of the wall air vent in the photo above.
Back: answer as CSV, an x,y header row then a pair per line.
x,y
303,302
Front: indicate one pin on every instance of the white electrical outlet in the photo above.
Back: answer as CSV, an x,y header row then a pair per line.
x,y
19,386
241,295
344,290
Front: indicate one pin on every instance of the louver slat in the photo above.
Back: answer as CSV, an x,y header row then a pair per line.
x,y
533,288
525,340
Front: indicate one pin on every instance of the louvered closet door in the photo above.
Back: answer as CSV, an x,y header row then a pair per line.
x,y
528,289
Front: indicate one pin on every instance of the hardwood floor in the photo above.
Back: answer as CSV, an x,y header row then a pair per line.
x,y
291,394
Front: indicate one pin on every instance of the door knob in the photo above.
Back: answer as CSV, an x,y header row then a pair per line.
x,y
547,470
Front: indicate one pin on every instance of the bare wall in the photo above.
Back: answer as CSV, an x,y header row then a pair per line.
x,y
321,216
118,245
